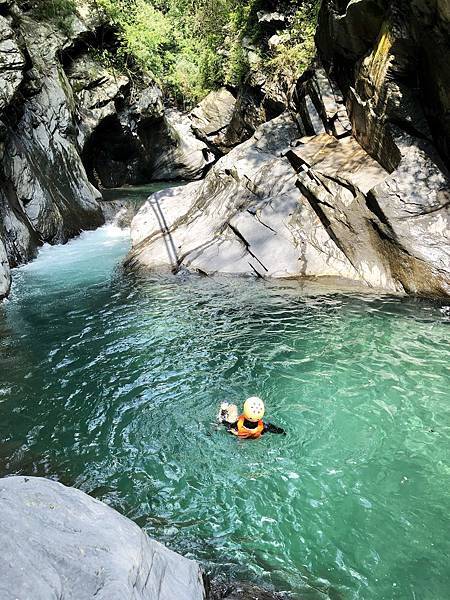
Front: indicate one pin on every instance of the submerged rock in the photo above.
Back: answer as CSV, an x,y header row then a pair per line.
x,y
243,591
58,542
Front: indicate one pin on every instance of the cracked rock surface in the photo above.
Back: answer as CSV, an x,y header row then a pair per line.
x,y
45,195
69,545
303,198
70,126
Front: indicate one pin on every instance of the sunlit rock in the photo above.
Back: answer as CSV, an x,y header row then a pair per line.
x,y
56,541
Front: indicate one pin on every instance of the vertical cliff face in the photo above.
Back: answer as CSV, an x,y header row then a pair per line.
x,y
45,195
69,125
391,61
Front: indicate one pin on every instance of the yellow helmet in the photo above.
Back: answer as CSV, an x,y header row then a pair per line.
x,y
254,409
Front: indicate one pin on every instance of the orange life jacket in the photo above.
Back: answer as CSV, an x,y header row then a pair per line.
x,y
244,432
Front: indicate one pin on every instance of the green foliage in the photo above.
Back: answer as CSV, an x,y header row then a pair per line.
x,y
193,46
59,11
290,58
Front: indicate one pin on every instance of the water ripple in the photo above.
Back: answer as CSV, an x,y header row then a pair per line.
x,y
113,384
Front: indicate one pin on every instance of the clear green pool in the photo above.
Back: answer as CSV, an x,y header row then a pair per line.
x,y
111,383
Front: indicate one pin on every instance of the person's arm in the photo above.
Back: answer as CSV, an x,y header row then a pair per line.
x,y
269,428
230,427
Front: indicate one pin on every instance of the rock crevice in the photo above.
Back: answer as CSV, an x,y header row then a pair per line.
x,y
301,198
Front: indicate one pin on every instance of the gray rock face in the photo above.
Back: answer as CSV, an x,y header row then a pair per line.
x,y
42,162
96,90
68,125
57,542
390,58
126,135
286,204
212,118
45,194
12,63
179,154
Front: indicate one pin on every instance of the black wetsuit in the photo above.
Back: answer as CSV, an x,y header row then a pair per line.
x,y
268,427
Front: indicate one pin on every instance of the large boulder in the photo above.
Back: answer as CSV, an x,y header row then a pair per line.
x,y
57,542
246,218
303,198
212,117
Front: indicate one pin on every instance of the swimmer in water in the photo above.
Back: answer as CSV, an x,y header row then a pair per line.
x,y
250,424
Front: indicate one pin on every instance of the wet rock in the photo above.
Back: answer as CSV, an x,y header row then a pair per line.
x,y
243,591
5,275
58,542
42,162
119,212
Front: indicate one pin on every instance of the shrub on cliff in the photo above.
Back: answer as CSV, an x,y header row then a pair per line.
x,y
297,49
191,47
58,11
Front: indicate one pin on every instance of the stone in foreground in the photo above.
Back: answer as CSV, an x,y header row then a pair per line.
x,y
57,542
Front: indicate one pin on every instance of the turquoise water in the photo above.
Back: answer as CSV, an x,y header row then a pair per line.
x,y
111,383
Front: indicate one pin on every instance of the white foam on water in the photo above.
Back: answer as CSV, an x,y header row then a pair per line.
x,y
89,259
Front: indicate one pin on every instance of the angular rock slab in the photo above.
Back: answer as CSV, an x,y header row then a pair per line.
x,y
246,218
213,116
57,542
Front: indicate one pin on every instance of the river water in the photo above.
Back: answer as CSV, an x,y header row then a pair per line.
x,y
111,383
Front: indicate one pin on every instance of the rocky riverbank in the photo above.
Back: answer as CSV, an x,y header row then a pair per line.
x,y
350,181
56,541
